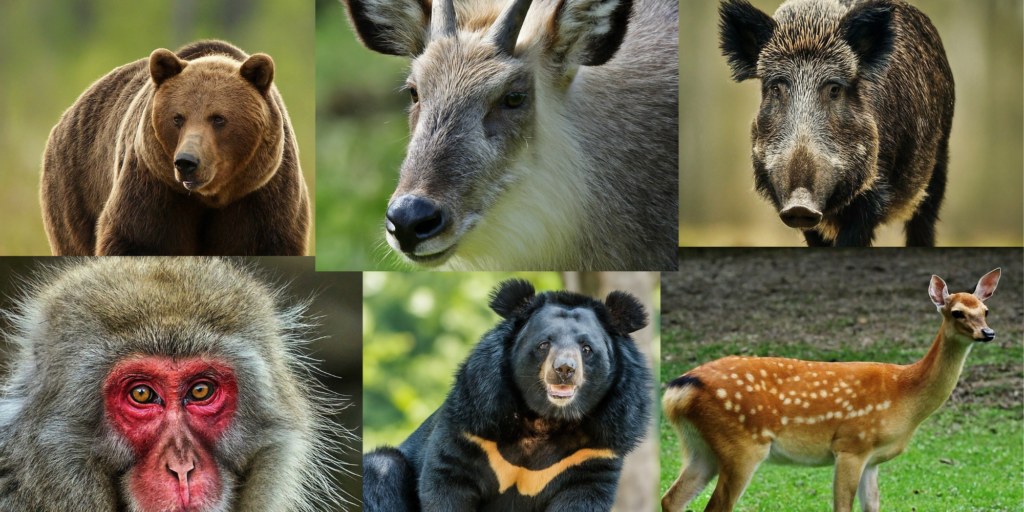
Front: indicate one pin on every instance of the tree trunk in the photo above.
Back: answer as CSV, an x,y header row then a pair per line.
x,y
638,485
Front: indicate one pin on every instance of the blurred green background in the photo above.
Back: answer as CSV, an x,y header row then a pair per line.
x,y
985,197
52,50
361,131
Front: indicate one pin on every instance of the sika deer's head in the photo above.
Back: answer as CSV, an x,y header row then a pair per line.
x,y
965,312
479,81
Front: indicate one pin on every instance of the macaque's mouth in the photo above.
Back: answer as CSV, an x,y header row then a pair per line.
x,y
560,392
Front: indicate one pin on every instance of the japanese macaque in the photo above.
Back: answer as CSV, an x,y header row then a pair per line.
x,y
162,384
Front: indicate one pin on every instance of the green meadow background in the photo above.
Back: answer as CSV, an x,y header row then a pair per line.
x,y
52,50
361,131
984,206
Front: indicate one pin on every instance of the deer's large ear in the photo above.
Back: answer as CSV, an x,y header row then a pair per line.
x,y
391,27
938,292
987,285
743,30
511,296
588,32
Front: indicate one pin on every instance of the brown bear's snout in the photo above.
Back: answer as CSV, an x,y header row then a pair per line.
x,y
186,164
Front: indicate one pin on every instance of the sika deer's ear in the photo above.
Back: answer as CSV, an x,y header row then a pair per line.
x,y
588,32
391,27
938,292
987,285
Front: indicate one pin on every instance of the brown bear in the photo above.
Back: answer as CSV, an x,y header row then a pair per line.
x,y
178,154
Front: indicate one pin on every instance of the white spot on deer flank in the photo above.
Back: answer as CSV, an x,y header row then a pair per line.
x,y
750,388
764,373
788,401
785,420
738,396
728,405
742,417
750,377
721,393
796,379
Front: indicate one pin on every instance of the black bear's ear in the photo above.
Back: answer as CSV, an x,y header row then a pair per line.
x,y
511,296
628,314
163,65
868,30
743,31
259,71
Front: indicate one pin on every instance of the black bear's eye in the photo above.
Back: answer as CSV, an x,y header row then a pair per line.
x,y
958,314
178,120
587,349
545,346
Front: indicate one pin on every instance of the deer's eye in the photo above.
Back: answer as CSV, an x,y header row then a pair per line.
x,y
958,314
515,99
986,313
414,94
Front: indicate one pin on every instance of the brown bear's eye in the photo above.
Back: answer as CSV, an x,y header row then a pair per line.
x,y
415,95
218,120
178,120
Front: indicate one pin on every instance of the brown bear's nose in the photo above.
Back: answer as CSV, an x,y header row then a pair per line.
x,y
186,163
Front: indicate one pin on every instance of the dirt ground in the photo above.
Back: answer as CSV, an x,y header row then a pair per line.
x,y
845,301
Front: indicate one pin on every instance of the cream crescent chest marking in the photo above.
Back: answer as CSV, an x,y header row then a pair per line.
x,y
531,482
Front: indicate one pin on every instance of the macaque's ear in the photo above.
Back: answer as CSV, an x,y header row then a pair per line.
x,y
588,32
163,65
258,70
511,296
628,314
938,292
743,30
868,30
987,285
391,27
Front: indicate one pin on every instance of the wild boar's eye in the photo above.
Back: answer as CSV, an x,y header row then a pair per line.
x,y
833,91
515,99
775,91
958,314
415,95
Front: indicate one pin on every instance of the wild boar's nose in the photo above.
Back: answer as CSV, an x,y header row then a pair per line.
x,y
186,163
799,211
414,219
988,334
565,368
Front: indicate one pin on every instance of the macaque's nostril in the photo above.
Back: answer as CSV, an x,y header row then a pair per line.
x,y
186,163
413,219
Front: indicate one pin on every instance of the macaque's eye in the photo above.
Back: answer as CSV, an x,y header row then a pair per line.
x,y
143,394
218,121
415,95
833,91
200,391
544,346
178,120
958,314
515,99
775,91
587,349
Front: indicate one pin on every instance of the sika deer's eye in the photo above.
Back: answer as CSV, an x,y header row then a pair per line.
x,y
986,313
414,94
958,314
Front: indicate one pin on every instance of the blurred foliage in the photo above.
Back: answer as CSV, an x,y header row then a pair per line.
x,y
361,130
417,328
52,50
985,197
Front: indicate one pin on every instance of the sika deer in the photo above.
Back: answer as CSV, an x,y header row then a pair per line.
x,y
734,413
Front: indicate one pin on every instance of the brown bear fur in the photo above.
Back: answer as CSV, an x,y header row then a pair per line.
x,y
110,185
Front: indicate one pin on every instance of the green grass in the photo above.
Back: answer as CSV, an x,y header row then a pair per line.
x,y
985,444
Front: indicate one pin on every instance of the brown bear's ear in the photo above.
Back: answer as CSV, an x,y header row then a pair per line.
x,y
163,65
259,71
511,296
626,311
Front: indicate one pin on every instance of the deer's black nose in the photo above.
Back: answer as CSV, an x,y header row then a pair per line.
x,y
414,219
987,334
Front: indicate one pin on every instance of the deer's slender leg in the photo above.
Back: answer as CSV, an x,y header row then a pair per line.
x,y
849,467
867,491
699,468
734,474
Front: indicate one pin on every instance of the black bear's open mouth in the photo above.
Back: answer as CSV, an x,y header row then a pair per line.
x,y
561,392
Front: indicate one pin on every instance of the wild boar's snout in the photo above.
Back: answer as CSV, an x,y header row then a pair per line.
x,y
799,211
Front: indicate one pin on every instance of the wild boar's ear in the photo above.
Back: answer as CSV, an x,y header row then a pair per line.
x,y
511,296
588,32
628,314
391,27
743,30
868,30
163,65
259,71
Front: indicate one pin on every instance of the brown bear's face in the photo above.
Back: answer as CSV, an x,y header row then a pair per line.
x,y
211,115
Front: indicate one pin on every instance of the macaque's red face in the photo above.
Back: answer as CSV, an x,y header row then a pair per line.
x,y
172,413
